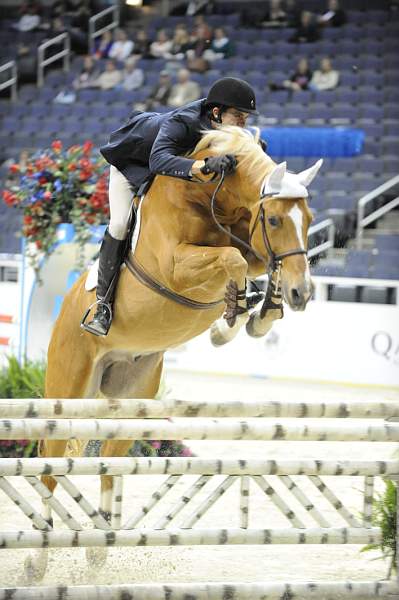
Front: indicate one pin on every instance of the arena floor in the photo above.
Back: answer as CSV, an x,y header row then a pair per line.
x,y
248,563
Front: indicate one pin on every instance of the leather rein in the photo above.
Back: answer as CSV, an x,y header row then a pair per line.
x,y
272,264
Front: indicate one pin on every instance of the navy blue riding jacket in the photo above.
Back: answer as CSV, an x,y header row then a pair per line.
x,y
154,143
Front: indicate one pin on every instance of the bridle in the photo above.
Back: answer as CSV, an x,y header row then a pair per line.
x,y
272,262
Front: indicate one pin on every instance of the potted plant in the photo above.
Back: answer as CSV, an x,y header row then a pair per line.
x,y
58,185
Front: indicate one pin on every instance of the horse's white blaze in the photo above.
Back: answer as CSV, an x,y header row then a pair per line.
x,y
297,217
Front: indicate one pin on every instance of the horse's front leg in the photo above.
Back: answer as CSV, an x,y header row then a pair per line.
x,y
209,270
261,321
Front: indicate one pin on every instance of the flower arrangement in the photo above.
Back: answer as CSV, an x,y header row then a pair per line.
x,y
58,185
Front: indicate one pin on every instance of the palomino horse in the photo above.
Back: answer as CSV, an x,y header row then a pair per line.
x,y
181,247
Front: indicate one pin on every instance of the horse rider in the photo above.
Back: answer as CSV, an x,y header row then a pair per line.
x,y
150,144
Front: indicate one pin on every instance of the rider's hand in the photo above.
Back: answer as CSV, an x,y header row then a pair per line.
x,y
217,164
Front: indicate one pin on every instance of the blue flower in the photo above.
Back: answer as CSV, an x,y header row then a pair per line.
x,y
57,185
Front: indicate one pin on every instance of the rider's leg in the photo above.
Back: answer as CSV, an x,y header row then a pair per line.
x,y
112,251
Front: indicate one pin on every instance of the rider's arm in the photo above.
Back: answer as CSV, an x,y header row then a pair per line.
x,y
173,140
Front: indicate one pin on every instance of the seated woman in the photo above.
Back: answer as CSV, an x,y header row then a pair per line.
x,y
221,46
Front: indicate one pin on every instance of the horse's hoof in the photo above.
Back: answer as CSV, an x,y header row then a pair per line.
x,y
96,557
35,567
250,327
217,338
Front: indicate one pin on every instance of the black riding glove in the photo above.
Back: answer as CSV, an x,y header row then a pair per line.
x,y
263,145
217,164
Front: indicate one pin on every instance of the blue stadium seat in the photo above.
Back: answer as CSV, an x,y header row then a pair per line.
x,y
387,242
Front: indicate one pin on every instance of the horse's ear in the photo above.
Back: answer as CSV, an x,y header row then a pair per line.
x,y
273,181
306,177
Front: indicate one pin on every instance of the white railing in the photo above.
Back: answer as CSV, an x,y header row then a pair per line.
x,y
95,33
43,62
327,224
362,220
12,81
323,282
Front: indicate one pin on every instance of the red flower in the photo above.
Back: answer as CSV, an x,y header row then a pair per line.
x,y
14,168
57,146
28,219
72,167
87,146
83,175
29,169
9,198
42,180
47,195
85,164
90,220
38,244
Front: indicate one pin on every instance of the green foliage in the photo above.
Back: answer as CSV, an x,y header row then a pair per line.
x,y
22,381
384,516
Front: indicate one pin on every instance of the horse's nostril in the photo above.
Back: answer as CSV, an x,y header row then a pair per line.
x,y
296,297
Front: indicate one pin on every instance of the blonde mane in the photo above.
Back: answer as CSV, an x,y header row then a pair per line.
x,y
241,143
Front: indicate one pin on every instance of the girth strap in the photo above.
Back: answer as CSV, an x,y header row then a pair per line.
x,y
141,275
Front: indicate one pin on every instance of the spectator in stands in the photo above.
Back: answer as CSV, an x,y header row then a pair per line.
x,y
109,78
275,15
307,30
29,17
335,15
104,45
159,95
292,12
185,90
200,22
193,7
162,45
180,44
122,46
26,60
142,44
300,79
132,75
88,75
195,56
221,46
325,78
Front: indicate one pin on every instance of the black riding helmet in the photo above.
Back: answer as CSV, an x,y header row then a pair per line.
x,y
234,93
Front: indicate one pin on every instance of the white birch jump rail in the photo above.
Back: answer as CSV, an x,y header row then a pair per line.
x,y
198,428
46,408
179,523
210,591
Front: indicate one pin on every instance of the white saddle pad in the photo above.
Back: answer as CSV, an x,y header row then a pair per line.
x,y
92,275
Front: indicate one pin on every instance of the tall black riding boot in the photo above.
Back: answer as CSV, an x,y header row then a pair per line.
x,y
111,256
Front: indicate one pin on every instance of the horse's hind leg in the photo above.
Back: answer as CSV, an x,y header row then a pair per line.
x,y
133,378
36,562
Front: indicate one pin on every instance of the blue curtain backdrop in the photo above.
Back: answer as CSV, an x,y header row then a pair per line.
x,y
313,141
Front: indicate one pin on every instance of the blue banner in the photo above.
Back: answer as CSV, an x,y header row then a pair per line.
x,y
319,142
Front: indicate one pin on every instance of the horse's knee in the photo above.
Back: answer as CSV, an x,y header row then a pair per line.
x,y
234,263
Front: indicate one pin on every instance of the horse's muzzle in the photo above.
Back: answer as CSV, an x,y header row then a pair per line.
x,y
298,296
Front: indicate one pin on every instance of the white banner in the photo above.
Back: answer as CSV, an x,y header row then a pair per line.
x,y
330,341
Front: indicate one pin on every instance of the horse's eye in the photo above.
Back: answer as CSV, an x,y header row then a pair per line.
x,y
274,221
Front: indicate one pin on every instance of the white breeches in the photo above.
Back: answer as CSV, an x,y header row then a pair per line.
x,y
120,201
